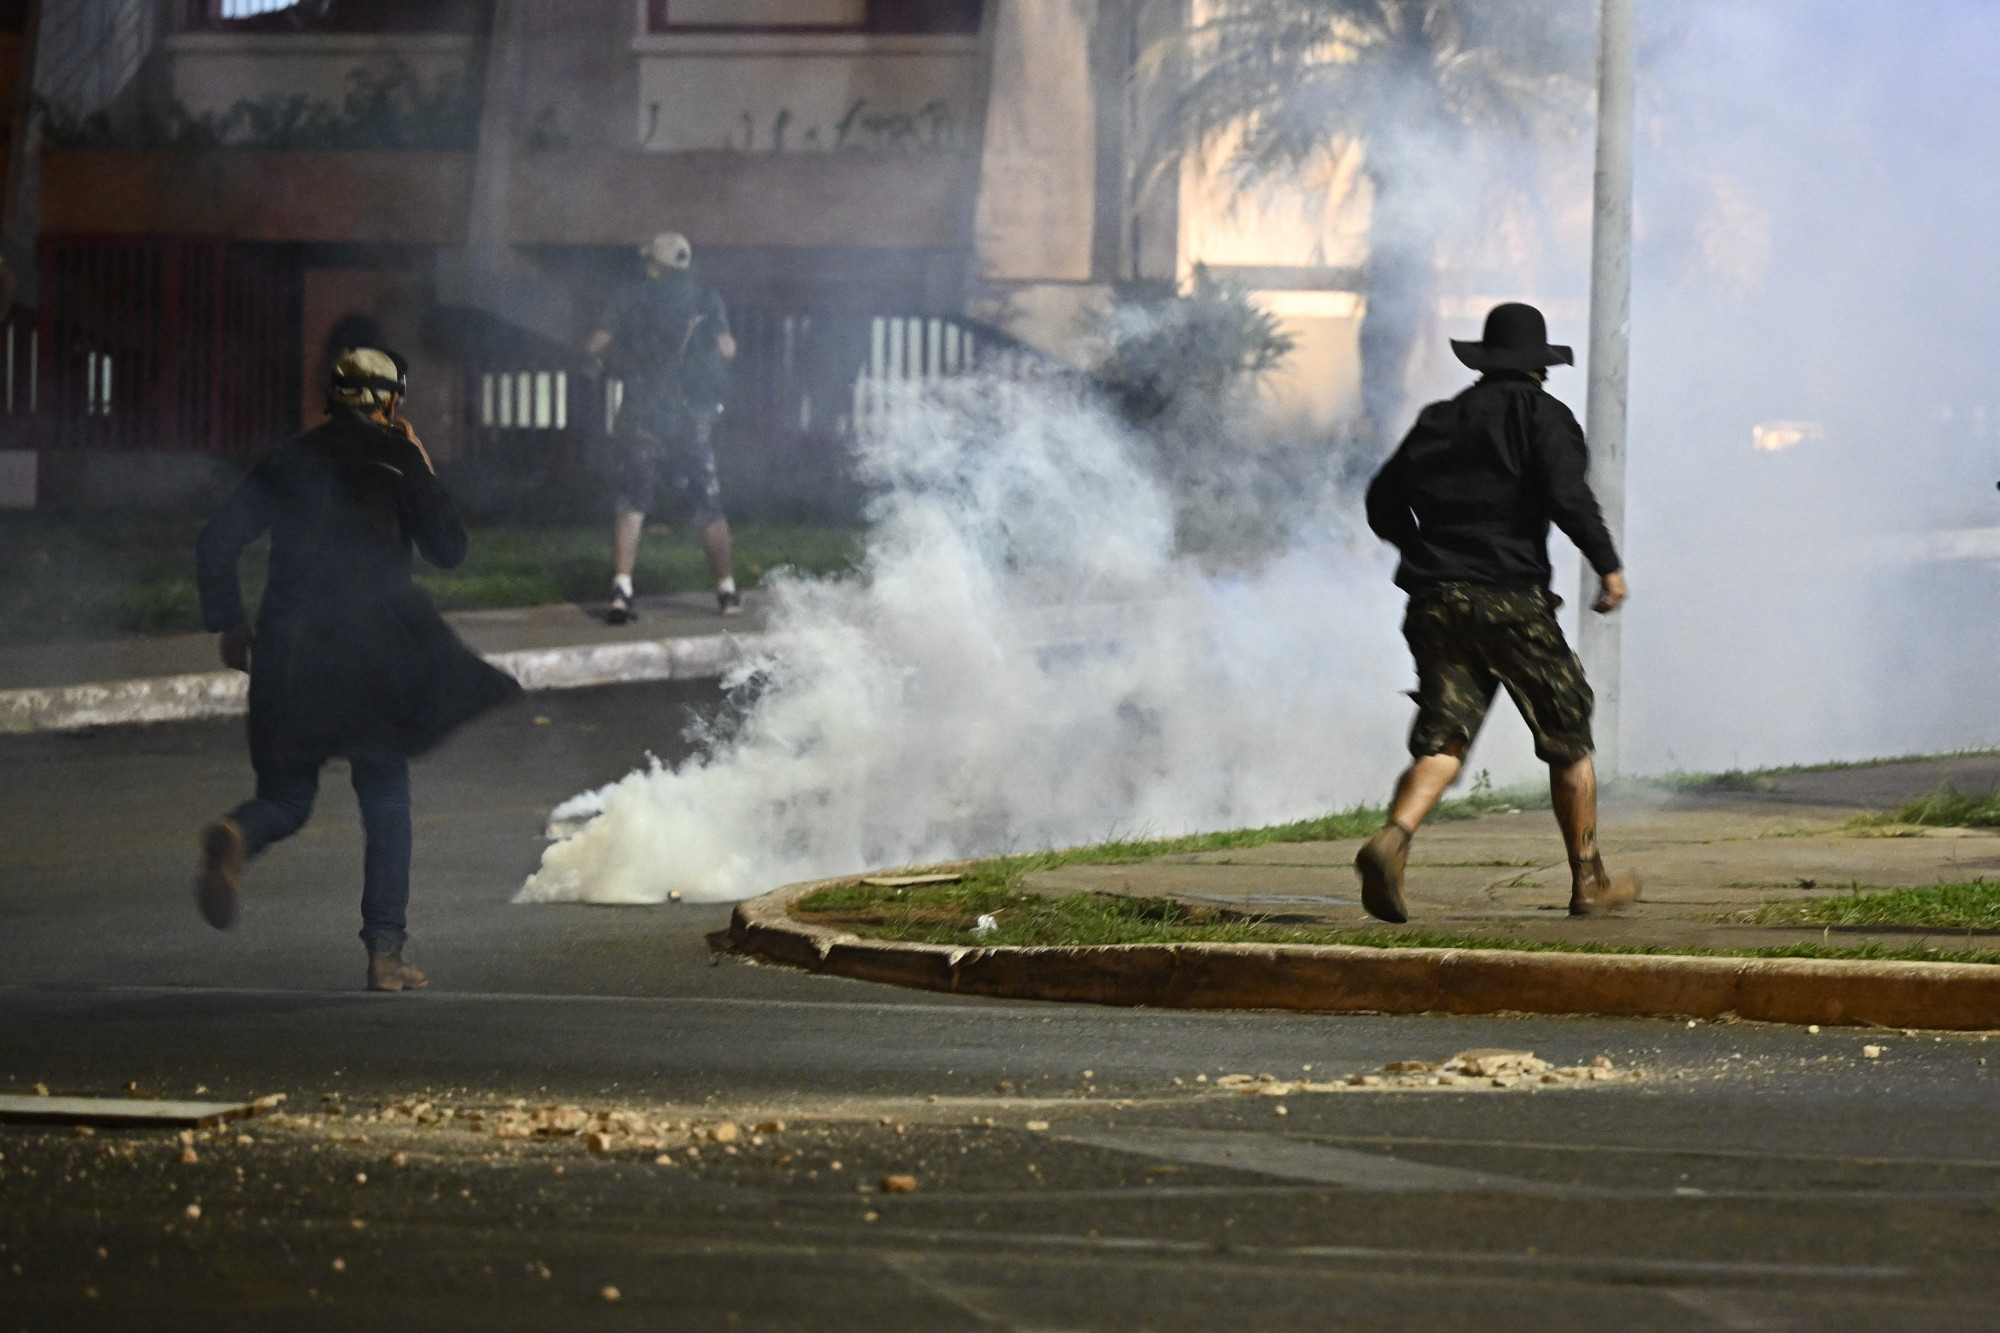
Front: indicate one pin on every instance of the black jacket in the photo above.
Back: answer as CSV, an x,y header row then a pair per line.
x,y
350,657
666,335
1469,495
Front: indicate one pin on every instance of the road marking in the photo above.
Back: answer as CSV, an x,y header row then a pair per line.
x,y
1649,1150
1290,1159
1606,1263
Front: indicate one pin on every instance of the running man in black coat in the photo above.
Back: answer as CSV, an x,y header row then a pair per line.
x,y
1467,499
347,656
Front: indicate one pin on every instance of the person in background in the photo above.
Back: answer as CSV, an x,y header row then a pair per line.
x,y
347,656
1467,500
666,337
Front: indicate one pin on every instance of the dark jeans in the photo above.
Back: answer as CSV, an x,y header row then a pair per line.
x,y
284,802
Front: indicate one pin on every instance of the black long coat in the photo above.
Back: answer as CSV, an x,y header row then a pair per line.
x,y
350,657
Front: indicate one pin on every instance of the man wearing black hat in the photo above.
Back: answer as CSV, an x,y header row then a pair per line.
x,y
347,656
1467,499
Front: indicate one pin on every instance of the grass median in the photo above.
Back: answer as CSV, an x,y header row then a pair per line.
x,y
1970,906
950,914
986,906
113,575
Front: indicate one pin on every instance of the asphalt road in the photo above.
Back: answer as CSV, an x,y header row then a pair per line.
x,y
1075,1168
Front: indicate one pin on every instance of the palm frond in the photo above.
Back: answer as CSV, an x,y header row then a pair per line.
x,y
1283,82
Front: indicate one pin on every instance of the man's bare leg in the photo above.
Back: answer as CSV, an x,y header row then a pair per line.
x,y
626,527
715,545
1421,787
1381,859
1573,793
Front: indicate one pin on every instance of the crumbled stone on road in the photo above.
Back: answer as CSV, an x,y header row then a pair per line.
x,y
1871,1052
899,1184
1481,1068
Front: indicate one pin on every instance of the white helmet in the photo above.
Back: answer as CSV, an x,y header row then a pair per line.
x,y
669,249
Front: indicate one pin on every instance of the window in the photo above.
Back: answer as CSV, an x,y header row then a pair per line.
x,y
904,16
97,380
524,400
293,16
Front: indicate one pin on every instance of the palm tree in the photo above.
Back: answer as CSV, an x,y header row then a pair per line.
x,y
1286,83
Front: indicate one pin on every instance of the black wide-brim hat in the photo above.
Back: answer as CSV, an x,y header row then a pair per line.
x,y
1516,337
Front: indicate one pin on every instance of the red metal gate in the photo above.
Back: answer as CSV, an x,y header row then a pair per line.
x,y
186,343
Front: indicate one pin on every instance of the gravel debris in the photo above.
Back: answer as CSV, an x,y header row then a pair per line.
x,y
1468,1070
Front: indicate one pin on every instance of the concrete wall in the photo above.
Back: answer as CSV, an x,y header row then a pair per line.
x,y
864,200
804,92
1034,225
211,71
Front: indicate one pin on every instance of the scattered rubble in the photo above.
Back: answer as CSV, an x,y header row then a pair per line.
x,y
1468,1070
899,1184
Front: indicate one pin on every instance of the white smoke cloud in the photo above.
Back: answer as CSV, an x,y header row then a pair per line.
x,y
1820,210
1023,663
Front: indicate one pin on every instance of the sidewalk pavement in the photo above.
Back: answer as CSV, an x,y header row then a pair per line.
x,y
67,686
1712,858
1708,860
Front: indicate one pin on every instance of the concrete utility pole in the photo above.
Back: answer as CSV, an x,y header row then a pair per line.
x,y
1599,638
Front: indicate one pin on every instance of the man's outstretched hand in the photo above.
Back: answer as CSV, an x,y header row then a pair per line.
x,y
1610,592
236,646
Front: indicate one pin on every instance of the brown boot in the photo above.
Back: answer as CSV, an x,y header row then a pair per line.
x,y
1594,890
1380,863
388,971
218,887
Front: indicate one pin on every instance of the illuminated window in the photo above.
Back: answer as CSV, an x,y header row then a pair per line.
x,y
243,9
97,384
524,400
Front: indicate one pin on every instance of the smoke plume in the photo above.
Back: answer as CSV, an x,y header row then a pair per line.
x,y
1023,662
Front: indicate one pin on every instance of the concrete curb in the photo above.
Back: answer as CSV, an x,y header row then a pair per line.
x,y
208,694
1328,978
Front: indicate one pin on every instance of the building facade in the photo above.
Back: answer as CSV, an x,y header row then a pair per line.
x,y
209,193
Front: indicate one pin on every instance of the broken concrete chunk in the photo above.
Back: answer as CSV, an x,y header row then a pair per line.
x,y
899,1184
119,1111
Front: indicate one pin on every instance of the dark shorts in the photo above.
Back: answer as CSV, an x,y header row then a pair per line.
x,y
668,447
1469,639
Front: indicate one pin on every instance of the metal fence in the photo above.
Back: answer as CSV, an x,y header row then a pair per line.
x,y
804,381
159,343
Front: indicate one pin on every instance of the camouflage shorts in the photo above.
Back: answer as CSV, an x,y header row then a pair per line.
x,y
671,448
1468,640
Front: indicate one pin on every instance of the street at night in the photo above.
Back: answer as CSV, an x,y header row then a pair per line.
x,y
1755,1174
